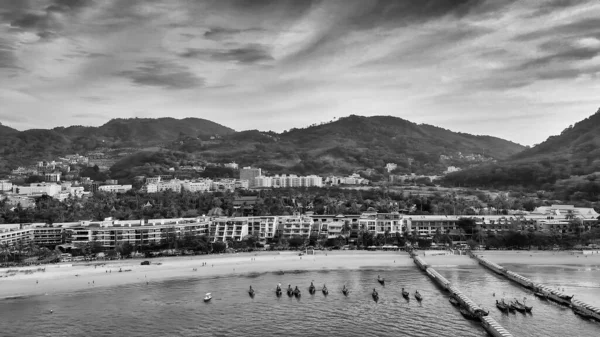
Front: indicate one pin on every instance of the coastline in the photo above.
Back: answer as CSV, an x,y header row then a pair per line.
x,y
64,278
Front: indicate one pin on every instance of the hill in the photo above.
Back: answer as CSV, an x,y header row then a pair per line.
x,y
25,147
354,143
553,165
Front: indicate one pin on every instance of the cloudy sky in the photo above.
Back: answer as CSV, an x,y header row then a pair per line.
x,y
520,70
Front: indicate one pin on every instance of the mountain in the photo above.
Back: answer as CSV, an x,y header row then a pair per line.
x,y
25,147
553,165
5,130
353,143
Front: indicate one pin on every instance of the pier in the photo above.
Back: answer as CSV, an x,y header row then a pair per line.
x,y
487,322
555,295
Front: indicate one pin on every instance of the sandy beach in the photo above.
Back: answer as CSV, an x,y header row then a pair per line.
x,y
71,277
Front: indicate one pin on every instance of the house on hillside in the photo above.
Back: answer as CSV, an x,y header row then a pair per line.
x,y
245,204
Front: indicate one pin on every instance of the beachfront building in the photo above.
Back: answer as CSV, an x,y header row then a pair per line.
x,y
382,223
228,229
14,235
47,235
429,225
264,227
295,225
138,233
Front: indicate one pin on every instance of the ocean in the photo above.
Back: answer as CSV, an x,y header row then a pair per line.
x,y
176,307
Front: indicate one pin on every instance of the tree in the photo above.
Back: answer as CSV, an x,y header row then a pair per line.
x,y
296,241
346,230
219,247
124,248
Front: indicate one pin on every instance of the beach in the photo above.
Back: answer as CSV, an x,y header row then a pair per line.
x,y
62,278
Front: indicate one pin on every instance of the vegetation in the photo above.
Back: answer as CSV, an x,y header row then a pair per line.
x,y
567,165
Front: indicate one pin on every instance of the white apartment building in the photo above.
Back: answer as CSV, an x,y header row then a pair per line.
x,y
53,177
115,188
13,236
38,189
297,225
264,226
379,223
5,185
171,185
292,180
224,229
197,186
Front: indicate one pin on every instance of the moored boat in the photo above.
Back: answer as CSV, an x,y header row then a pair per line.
x,y
251,292
518,306
527,308
541,296
418,296
468,315
453,300
502,306
405,294
375,295
311,289
297,292
290,291
207,297
325,290
381,280
345,291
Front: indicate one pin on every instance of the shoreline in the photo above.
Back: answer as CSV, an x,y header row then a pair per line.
x,y
65,278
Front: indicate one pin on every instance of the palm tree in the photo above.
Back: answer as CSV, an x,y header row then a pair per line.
x,y
386,234
346,230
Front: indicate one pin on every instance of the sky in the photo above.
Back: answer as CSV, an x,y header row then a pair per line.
x,y
519,70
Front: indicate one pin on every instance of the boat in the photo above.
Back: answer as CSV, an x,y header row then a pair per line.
x,y
345,291
325,291
518,306
510,305
312,289
297,292
502,306
251,292
418,296
375,295
278,291
290,291
527,308
381,280
207,297
468,315
541,296
453,301
405,294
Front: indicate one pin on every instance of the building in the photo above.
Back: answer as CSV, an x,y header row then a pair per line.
x,y
390,167
248,173
232,165
5,185
15,200
15,235
296,225
228,229
264,227
197,186
53,177
452,169
382,223
152,180
115,188
38,189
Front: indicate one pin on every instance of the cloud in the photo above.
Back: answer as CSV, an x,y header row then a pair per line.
x,y
251,53
219,33
163,74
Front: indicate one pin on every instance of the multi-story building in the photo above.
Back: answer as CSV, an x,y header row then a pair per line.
x,y
197,186
382,223
52,177
115,188
264,227
226,229
38,189
15,236
248,173
296,225
5,185
263,181
429,225
232,165
152,180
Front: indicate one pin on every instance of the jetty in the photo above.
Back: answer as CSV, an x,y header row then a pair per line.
x,y
487,322
555,295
